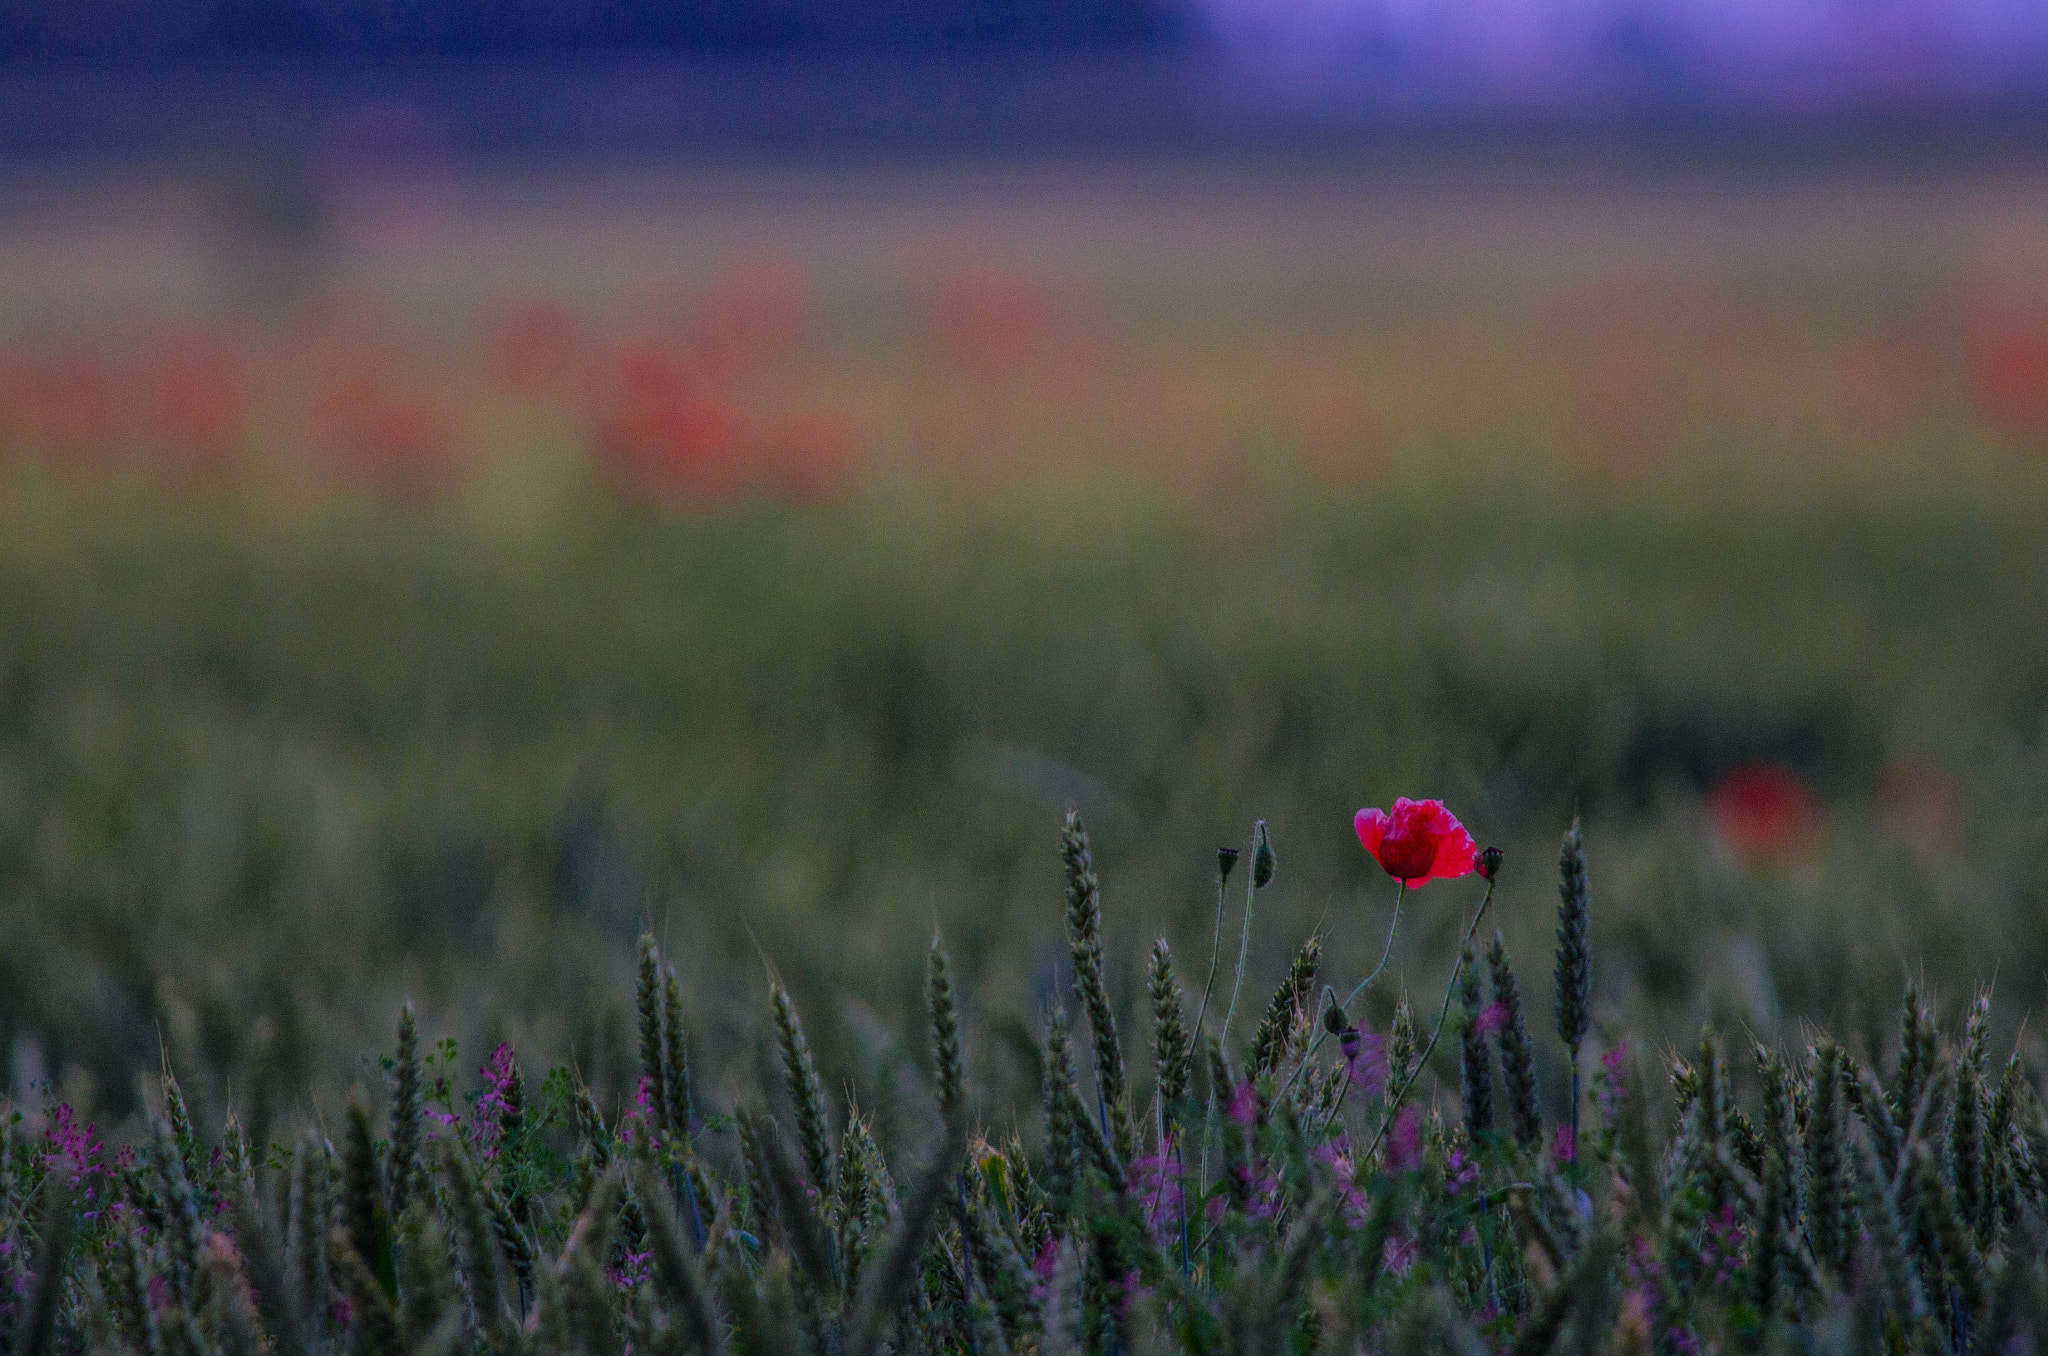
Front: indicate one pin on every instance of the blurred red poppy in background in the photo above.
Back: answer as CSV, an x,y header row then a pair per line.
x,y
2011,370
195,391
533,348
754,313
1762,810
990,322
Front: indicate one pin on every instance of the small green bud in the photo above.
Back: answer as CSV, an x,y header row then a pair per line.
x,y
1263,860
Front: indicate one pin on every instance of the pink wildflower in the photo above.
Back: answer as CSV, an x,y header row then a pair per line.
x,y
1365,1060
1459,1172
494,1101
1155,1185
1336,1156
1404,1141
1612,1082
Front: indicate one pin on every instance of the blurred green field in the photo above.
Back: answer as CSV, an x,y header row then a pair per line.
x,y
260,780
1604,528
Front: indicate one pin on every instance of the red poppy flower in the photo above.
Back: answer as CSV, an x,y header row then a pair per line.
x,y
1419,841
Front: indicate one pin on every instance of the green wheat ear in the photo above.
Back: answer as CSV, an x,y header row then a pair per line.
x,y
1475,1069
653,1061
366,1219
676,1050
1062,1137
806,1094
947,1068
1084,940
1171,1055
1830,1205
1517,1051
1401,1045
405,1111
1287,1010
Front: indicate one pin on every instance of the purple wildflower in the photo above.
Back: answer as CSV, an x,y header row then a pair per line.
x,y
1459,1171
1155,1185
492,1103
1365,1060
1610,1084
1404,1141
631,1270
1336,1156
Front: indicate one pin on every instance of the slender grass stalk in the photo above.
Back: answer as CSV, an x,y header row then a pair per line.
x,y
1226,859
1386,952
1244,939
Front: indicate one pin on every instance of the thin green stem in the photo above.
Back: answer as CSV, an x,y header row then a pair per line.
x,y
1422,1061
1387,952
1321,1036
1244,943
1215,955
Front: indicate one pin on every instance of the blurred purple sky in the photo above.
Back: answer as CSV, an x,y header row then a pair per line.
x,y
555,76
1706,55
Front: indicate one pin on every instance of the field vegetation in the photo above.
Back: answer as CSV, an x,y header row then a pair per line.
x,y
348,669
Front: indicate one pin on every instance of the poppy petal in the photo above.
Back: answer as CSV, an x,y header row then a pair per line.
x,y
1372,829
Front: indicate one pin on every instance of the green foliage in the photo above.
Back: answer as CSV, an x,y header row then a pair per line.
x,y
1309,1205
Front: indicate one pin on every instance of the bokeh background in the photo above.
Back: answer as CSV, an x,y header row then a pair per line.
x,y
477,482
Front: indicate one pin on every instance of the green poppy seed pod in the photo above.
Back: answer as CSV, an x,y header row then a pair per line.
x,y
1263,860
1226,862
1489,863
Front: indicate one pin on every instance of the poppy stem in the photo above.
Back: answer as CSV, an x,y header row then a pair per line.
x,y
1215,954
1422,1062
1324,1035
1381,968
1244,943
